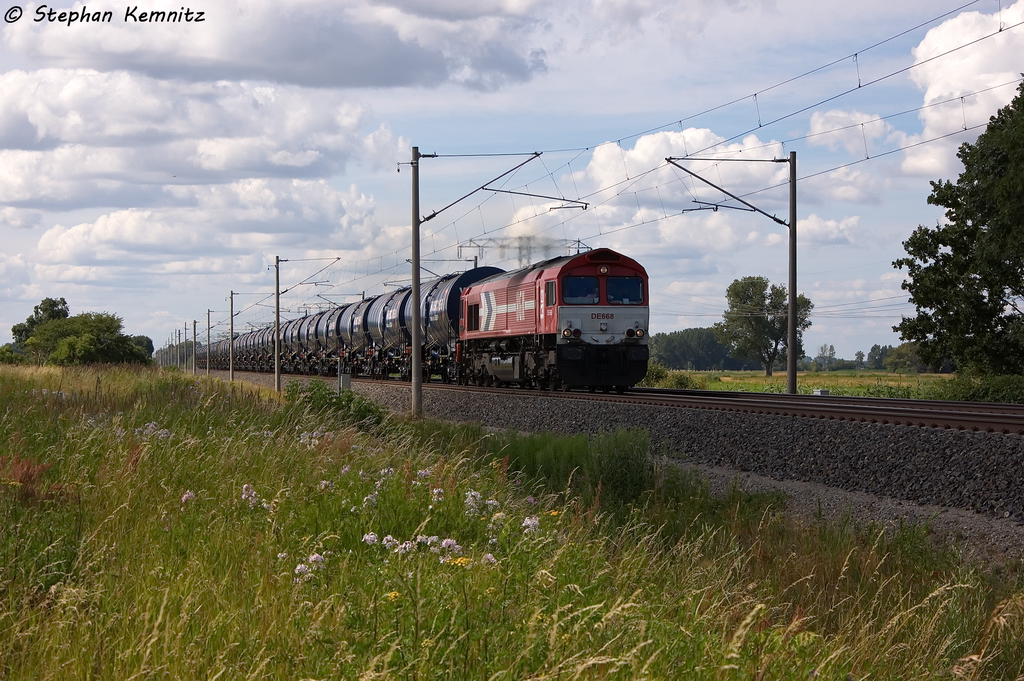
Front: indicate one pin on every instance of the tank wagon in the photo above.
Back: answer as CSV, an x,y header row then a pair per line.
x,y
574,321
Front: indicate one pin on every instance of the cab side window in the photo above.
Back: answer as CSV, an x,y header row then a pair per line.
x,y
549,294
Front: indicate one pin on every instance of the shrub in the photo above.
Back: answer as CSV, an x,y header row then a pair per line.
x,y
353,408
656,372
979,388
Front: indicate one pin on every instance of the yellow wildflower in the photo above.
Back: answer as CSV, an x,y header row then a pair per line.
x,y
394,595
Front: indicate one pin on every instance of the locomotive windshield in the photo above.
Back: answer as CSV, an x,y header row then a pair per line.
x,y
580,291
625,290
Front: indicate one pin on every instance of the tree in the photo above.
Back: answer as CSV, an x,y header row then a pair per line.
x,y
693,349
826,356
756,324
877,355
86,338
48,309
904,359
966,277
145,343
860,358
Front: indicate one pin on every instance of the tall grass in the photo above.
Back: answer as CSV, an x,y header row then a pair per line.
x,y
190,529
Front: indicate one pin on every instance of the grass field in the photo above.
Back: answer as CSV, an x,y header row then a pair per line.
x,y
837,382
153,526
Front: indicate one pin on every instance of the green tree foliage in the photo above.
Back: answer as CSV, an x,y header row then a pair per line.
x,y
47,310
690,349
145,343
905,359
877,355
756,327
966,277
90,337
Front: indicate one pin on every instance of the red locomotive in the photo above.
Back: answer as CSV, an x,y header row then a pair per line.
x,y
567,322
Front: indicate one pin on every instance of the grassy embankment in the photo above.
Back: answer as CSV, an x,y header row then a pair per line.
x,y
155,526
860,383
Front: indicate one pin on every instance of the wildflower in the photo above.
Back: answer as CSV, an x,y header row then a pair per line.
x,y
472,502
405,547
425,473
325,485
531,524
389,542
249,494
187,497
370,538
345,469
370,499
531,500
451,546
553,513
394,596
301,570
282,556
492,505
437,495
462,562
387,472
488,559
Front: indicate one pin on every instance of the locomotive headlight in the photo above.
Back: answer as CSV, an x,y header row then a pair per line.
x,y
639,333
576,333
566,333
630,333
604,269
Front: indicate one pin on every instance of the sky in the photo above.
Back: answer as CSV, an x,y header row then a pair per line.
x,y
152,163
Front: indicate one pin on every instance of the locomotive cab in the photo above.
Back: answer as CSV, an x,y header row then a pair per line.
x,y
602,317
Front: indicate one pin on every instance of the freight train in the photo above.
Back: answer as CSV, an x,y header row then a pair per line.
x,y
577,321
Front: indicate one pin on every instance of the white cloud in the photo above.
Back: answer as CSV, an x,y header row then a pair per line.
x,y
14,276
853,130
18,219
322,43
815,231
79,137
988,63
227,221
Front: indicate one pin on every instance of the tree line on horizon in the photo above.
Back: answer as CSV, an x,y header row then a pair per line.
x,y
52,335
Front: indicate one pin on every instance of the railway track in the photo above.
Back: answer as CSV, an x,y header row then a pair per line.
x,y
969,416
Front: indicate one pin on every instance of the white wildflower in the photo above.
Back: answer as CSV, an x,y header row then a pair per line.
x,y
531,524
370,538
